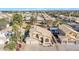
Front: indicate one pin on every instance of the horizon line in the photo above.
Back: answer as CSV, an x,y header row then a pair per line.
x,y
39,9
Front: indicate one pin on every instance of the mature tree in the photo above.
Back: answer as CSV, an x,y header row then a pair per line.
x,y
17,18
17,24
15,27
32,19
12,42
27,27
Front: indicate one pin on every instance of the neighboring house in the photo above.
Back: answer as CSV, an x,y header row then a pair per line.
x,y
40,19
77,20
27,17
70,33
48,19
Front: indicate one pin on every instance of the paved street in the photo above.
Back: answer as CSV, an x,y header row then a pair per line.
x,y
62,47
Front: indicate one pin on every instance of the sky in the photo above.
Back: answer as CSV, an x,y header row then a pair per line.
x,y
39,4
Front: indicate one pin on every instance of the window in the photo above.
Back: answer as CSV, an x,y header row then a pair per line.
x,y
37,36
41,39
47,40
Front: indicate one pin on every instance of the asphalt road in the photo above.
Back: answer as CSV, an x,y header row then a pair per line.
x,y
62,47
